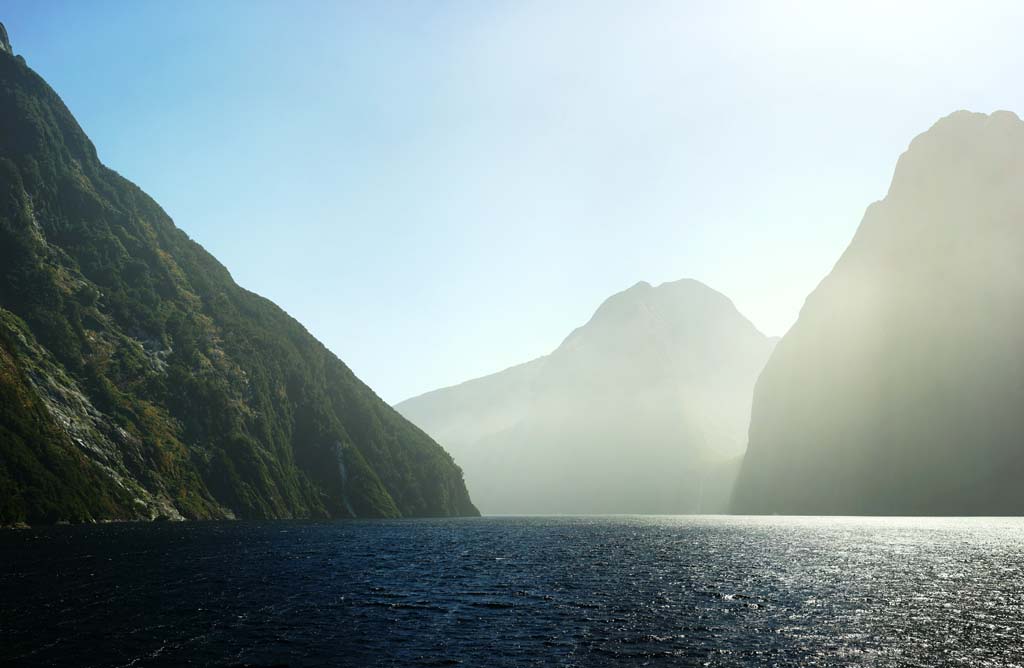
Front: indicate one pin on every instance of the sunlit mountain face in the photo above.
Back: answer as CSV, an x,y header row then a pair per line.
x,y
190,475
900,389
643,409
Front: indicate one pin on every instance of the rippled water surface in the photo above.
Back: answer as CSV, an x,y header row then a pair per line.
x,y
518,592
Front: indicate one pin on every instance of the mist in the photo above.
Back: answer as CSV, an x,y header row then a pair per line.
x,y
899,390
232,234
644,409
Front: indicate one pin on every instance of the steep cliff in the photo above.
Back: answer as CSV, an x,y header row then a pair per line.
x,y
900,390
138,380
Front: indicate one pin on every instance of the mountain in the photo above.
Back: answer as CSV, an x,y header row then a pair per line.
x,y
900,390
138,381
642,410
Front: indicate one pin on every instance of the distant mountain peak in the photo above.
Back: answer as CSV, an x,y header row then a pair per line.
x,y
966,116
957,151
671,294
624,416
676,306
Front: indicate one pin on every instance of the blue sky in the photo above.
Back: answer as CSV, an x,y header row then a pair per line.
x,y
439,190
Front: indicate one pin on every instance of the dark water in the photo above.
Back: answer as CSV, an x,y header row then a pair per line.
x,y
518,592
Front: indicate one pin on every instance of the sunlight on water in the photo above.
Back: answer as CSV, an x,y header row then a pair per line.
x,y
720,591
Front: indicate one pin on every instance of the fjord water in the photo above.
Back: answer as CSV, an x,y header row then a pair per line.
x,y
720,591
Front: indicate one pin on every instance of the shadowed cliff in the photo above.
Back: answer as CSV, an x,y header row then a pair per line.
x,y
900,389
137,380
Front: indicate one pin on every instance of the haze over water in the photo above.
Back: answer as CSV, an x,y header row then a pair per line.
x,y
435,192
570,591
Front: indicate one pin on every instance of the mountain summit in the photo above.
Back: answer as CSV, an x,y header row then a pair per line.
x,y
641,410
900,389
137,380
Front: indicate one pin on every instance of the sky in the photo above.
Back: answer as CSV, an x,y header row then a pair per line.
x,y
440,190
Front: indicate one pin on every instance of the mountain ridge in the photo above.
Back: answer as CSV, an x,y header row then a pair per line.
x,y
665,360
142,382
898,389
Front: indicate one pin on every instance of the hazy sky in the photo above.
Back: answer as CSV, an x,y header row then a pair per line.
x,y
440,190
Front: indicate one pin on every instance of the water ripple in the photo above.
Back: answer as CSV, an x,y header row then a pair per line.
x,y
671,591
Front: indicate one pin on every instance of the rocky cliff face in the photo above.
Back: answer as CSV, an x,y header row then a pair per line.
x,y
643,409
5,43
137,380
900,390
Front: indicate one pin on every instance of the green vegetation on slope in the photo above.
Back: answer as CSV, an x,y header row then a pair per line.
x,y
137,379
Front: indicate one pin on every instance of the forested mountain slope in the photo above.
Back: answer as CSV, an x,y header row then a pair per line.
x,y
137,380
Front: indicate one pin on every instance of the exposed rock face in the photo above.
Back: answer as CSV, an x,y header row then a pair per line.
x,y
5,43
138,381
900,390
644,409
